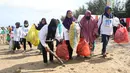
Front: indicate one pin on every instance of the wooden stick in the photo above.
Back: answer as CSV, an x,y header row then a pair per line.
x,y
54,53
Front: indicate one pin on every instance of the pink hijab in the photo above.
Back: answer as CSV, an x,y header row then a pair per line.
x,y
89,28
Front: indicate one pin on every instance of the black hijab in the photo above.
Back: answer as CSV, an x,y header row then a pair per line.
x,y
52,29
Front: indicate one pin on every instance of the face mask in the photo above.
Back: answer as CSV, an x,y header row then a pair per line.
x,y
88,17
17,26
26,25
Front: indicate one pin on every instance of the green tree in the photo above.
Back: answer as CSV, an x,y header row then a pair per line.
x,y
122,14
128,8
80,11
77,12
97,6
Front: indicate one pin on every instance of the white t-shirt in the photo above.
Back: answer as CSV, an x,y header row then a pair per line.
x,y
106,26
23,32
116,21
16,34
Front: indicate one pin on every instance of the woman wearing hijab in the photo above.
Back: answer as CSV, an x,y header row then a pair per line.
x,y
42,23
89,29
48,32
106,28
24,33
60,28
67,22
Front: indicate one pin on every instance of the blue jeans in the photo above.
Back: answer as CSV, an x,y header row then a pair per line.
x,y
105,40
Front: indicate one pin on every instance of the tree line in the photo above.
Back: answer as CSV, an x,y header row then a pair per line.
x,y
97,8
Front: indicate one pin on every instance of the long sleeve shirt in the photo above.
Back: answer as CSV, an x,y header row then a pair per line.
x,y
43,35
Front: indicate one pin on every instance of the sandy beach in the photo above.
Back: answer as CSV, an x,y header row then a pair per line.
x,y
118,61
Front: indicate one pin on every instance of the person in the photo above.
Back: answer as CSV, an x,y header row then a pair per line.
x,y
23,34
8,38
116,23
12,28
0,35
16,37
48,32
39,27
9,29
67,22
3,33
123,22
89,29
41,24
106,28
60,28
11,43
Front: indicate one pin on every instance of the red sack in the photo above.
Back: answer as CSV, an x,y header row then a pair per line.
x,y
62,51
121,35
83,48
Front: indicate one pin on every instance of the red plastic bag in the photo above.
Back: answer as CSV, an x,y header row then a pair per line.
x,y
83,48
62,51
121,35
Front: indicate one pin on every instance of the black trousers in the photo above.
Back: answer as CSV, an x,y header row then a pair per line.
x,y
69,49
114,30
44,52
16,45
23,42
20,40
105,40
39,46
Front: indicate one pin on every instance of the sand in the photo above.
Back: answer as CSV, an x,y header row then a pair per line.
x,y
118,61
